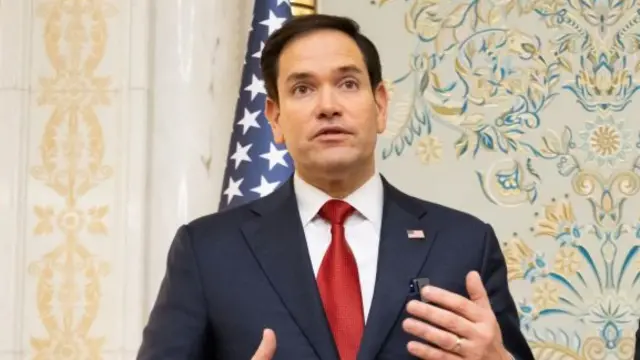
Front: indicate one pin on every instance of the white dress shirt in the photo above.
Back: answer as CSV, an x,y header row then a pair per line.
x,y
362,228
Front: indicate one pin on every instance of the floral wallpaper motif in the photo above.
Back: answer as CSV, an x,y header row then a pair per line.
x,y
531,105
71,163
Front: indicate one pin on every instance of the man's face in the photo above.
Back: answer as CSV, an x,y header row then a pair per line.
x,y
327,115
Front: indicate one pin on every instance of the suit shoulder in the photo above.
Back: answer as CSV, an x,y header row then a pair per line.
x,y
218,224
221,218
459,216
449,215
225,224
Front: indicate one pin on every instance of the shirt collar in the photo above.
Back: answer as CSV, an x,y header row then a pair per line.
x,y
367,200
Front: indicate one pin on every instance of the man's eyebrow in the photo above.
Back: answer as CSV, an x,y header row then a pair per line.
x,y
303,75
298,76
349,69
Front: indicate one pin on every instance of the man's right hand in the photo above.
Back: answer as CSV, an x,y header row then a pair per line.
x,y
267,347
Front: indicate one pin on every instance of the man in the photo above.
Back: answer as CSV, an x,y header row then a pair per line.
x,y
636,353
331,264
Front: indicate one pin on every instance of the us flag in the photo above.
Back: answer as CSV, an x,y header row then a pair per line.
x,y
255,164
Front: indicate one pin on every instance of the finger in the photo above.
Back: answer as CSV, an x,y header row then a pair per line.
x,y
426,352
267,348
452,301
477,292
431,334
442,318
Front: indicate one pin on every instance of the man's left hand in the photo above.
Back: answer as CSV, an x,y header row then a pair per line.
x,y
460,328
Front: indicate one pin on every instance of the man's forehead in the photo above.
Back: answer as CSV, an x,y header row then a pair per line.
x,y
321,46
328,65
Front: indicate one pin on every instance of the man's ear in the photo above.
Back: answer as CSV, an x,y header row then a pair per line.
x,y
272,112
381,96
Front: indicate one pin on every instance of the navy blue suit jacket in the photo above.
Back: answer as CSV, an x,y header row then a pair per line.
x,y
231,274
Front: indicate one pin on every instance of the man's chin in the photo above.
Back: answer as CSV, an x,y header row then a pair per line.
x,y
337,165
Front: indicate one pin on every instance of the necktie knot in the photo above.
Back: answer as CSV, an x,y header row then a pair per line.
x,y
336,211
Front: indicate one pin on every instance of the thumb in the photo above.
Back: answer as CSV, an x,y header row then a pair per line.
x,y
267,347
476,290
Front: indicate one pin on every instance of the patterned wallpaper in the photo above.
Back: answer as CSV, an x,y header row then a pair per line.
x,y
100,170
523,113
71,163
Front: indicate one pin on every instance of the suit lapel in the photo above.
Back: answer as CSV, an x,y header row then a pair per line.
x,y
278,242
400,259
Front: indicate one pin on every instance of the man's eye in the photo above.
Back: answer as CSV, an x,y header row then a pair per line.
x,y
300,89
350,84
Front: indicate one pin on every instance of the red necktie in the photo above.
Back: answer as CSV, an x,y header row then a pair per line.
x,y
339,284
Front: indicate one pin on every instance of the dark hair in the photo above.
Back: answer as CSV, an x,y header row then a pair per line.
x,y
300,25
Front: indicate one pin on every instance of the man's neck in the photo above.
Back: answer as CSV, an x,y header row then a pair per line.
x,y
338,186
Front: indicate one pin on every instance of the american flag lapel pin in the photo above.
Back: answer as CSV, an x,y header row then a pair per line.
x,y
415,234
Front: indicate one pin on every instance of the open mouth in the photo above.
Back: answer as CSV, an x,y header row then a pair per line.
x,y
332,132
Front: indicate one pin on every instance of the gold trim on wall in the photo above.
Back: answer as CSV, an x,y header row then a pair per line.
x,y
71,164
303,7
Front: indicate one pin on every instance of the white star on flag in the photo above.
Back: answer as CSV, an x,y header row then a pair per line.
x,y
258,54
283,2
273,22
265,187
233,189
256,87
249,120
241,154
275,156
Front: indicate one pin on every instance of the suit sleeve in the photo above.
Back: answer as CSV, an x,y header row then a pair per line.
x,y
178,320
494,275
636,354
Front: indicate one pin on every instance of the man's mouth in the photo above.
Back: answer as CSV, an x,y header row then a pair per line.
x,y
332,131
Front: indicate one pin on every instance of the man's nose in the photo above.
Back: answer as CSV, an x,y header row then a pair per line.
x,y
328,104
